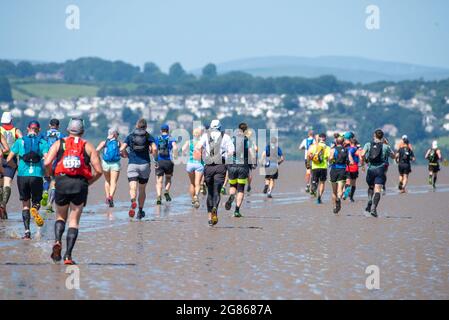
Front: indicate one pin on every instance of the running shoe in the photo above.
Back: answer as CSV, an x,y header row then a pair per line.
x,y
69,261
2,213
27,236
237,214
400,186
214,216
37,217
228,203
203,189
338,206
308,188
374,212
269,195
318,200
351,199
44,200
167,197
132,211
368,206
110,202
50,210
430,181
265,189
248,188
56,253
158,201
196,202
223,191
140,214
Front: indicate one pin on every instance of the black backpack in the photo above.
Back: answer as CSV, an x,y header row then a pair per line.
x,y
139,141
405,155
433,156
376,153
342,155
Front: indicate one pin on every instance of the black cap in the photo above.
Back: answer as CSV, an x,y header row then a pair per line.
x,y
54,122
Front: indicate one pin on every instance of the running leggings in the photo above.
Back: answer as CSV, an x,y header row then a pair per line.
x,y
214,176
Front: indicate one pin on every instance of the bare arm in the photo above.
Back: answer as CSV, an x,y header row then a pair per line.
x,y
19,133
185,147
95,162
51,155
4,143
101,146
9,161
175,150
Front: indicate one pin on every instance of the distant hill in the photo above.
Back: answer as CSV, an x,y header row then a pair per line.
x,y
352,69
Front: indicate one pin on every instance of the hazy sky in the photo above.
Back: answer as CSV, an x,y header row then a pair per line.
x,y
195,32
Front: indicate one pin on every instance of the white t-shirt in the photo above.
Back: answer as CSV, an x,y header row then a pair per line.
x,y
305,144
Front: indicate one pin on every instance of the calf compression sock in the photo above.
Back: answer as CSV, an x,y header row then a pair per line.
x,y
26,219
72,235
376,199
59,230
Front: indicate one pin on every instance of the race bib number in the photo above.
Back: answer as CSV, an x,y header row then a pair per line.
x,y
71,162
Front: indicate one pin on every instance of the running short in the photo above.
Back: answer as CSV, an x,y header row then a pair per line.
x,y
319,175
164,167
238,174
404,168
30,188
7,170
71,190
434,168
194,167
307,164
338,175
139,172
273,176
376,176
110,166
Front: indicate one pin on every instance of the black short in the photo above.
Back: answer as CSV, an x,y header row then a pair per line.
x,y
376,176
164,167
338,174
434,168
71,190
214,173
7,170
273,176
319,175
238,174
30,188
404,168
307,164
353,175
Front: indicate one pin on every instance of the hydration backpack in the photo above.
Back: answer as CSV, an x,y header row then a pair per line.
x,y
139,141
72,159
433,156
10,135
318,156
163,146
215,146
404,155
31,147
111,151
375,153
341,155
240,150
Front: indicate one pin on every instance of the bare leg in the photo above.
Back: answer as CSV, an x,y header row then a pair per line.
x,y
192,185
159,180
107,183
142,195
167,182
113,184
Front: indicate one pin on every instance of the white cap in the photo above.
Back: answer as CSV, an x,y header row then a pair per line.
x,y
434,144
404,137
215,124
6,117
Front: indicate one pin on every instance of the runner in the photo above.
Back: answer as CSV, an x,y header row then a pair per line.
x,y
111,164
137,147
166,151
376,154
305,145
404,157
387,166
238,169
319,155
250,135
75,158
272,157
53,134
11,134
339,159
4,148
30,149
352,169
433,155
194,168
216,146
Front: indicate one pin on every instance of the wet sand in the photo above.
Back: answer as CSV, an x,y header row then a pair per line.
x,y
284,248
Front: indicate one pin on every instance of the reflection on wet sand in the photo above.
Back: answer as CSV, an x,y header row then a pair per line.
x,y
284,248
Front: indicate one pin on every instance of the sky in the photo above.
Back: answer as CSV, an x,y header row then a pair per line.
x,y
196,32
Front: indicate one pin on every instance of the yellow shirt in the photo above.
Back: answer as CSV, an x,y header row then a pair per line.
x,y
326,155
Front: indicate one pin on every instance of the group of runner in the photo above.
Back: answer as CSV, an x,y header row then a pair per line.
x,y
54,168
345,156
